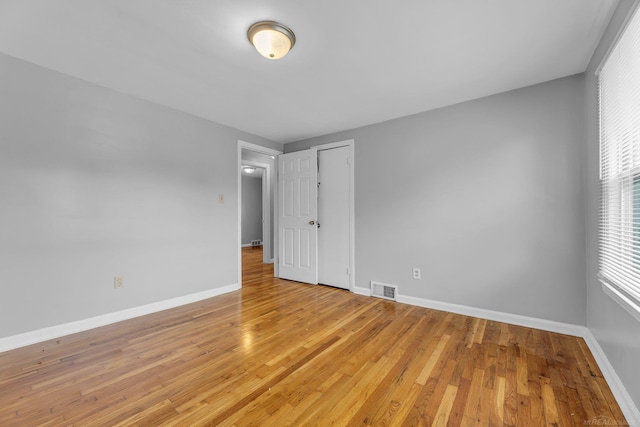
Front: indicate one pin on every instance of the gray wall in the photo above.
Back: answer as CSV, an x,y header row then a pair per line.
x,y
486,197
251,208
94,184
617,332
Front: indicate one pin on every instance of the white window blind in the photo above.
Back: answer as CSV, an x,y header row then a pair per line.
x,y
619,106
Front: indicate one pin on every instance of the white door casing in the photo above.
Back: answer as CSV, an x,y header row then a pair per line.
x,y
333,217
297,215
259,149
266,209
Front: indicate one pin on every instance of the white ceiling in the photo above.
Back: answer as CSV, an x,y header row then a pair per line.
x,y
355,62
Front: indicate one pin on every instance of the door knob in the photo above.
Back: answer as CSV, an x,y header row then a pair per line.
x,y
312,222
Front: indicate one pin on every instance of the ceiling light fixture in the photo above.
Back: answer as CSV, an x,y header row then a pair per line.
x,y
271,39
248,169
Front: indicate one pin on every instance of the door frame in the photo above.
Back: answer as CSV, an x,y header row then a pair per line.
x,y
269,152
267,255
350,143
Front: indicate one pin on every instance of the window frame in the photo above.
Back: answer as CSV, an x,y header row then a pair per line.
x,y
619,200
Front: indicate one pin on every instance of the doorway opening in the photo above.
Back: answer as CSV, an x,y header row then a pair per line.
x,y
255,210
262,159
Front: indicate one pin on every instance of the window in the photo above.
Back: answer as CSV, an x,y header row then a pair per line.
x,y
619,108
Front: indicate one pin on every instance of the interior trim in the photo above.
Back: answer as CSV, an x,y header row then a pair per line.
x,y
350,144
270,152
362,291
52,332
627,405
623,301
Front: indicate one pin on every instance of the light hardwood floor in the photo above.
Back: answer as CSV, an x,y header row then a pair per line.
x,y
281,353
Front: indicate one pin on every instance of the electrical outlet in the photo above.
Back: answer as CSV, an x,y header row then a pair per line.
x,y
221,199
416,273
118,282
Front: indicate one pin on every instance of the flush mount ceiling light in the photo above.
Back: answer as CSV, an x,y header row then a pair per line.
x,y
248,169
271,39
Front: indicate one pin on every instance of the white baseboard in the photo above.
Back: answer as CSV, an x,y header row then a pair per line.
x,y
363,291
498,316
32,337
628,407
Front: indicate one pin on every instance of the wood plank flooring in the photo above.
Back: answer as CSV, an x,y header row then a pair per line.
x,y
279,353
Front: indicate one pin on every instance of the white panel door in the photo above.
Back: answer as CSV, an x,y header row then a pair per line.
x,y
333,216
298,212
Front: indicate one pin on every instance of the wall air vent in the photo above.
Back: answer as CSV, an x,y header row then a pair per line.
x,y
382,290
